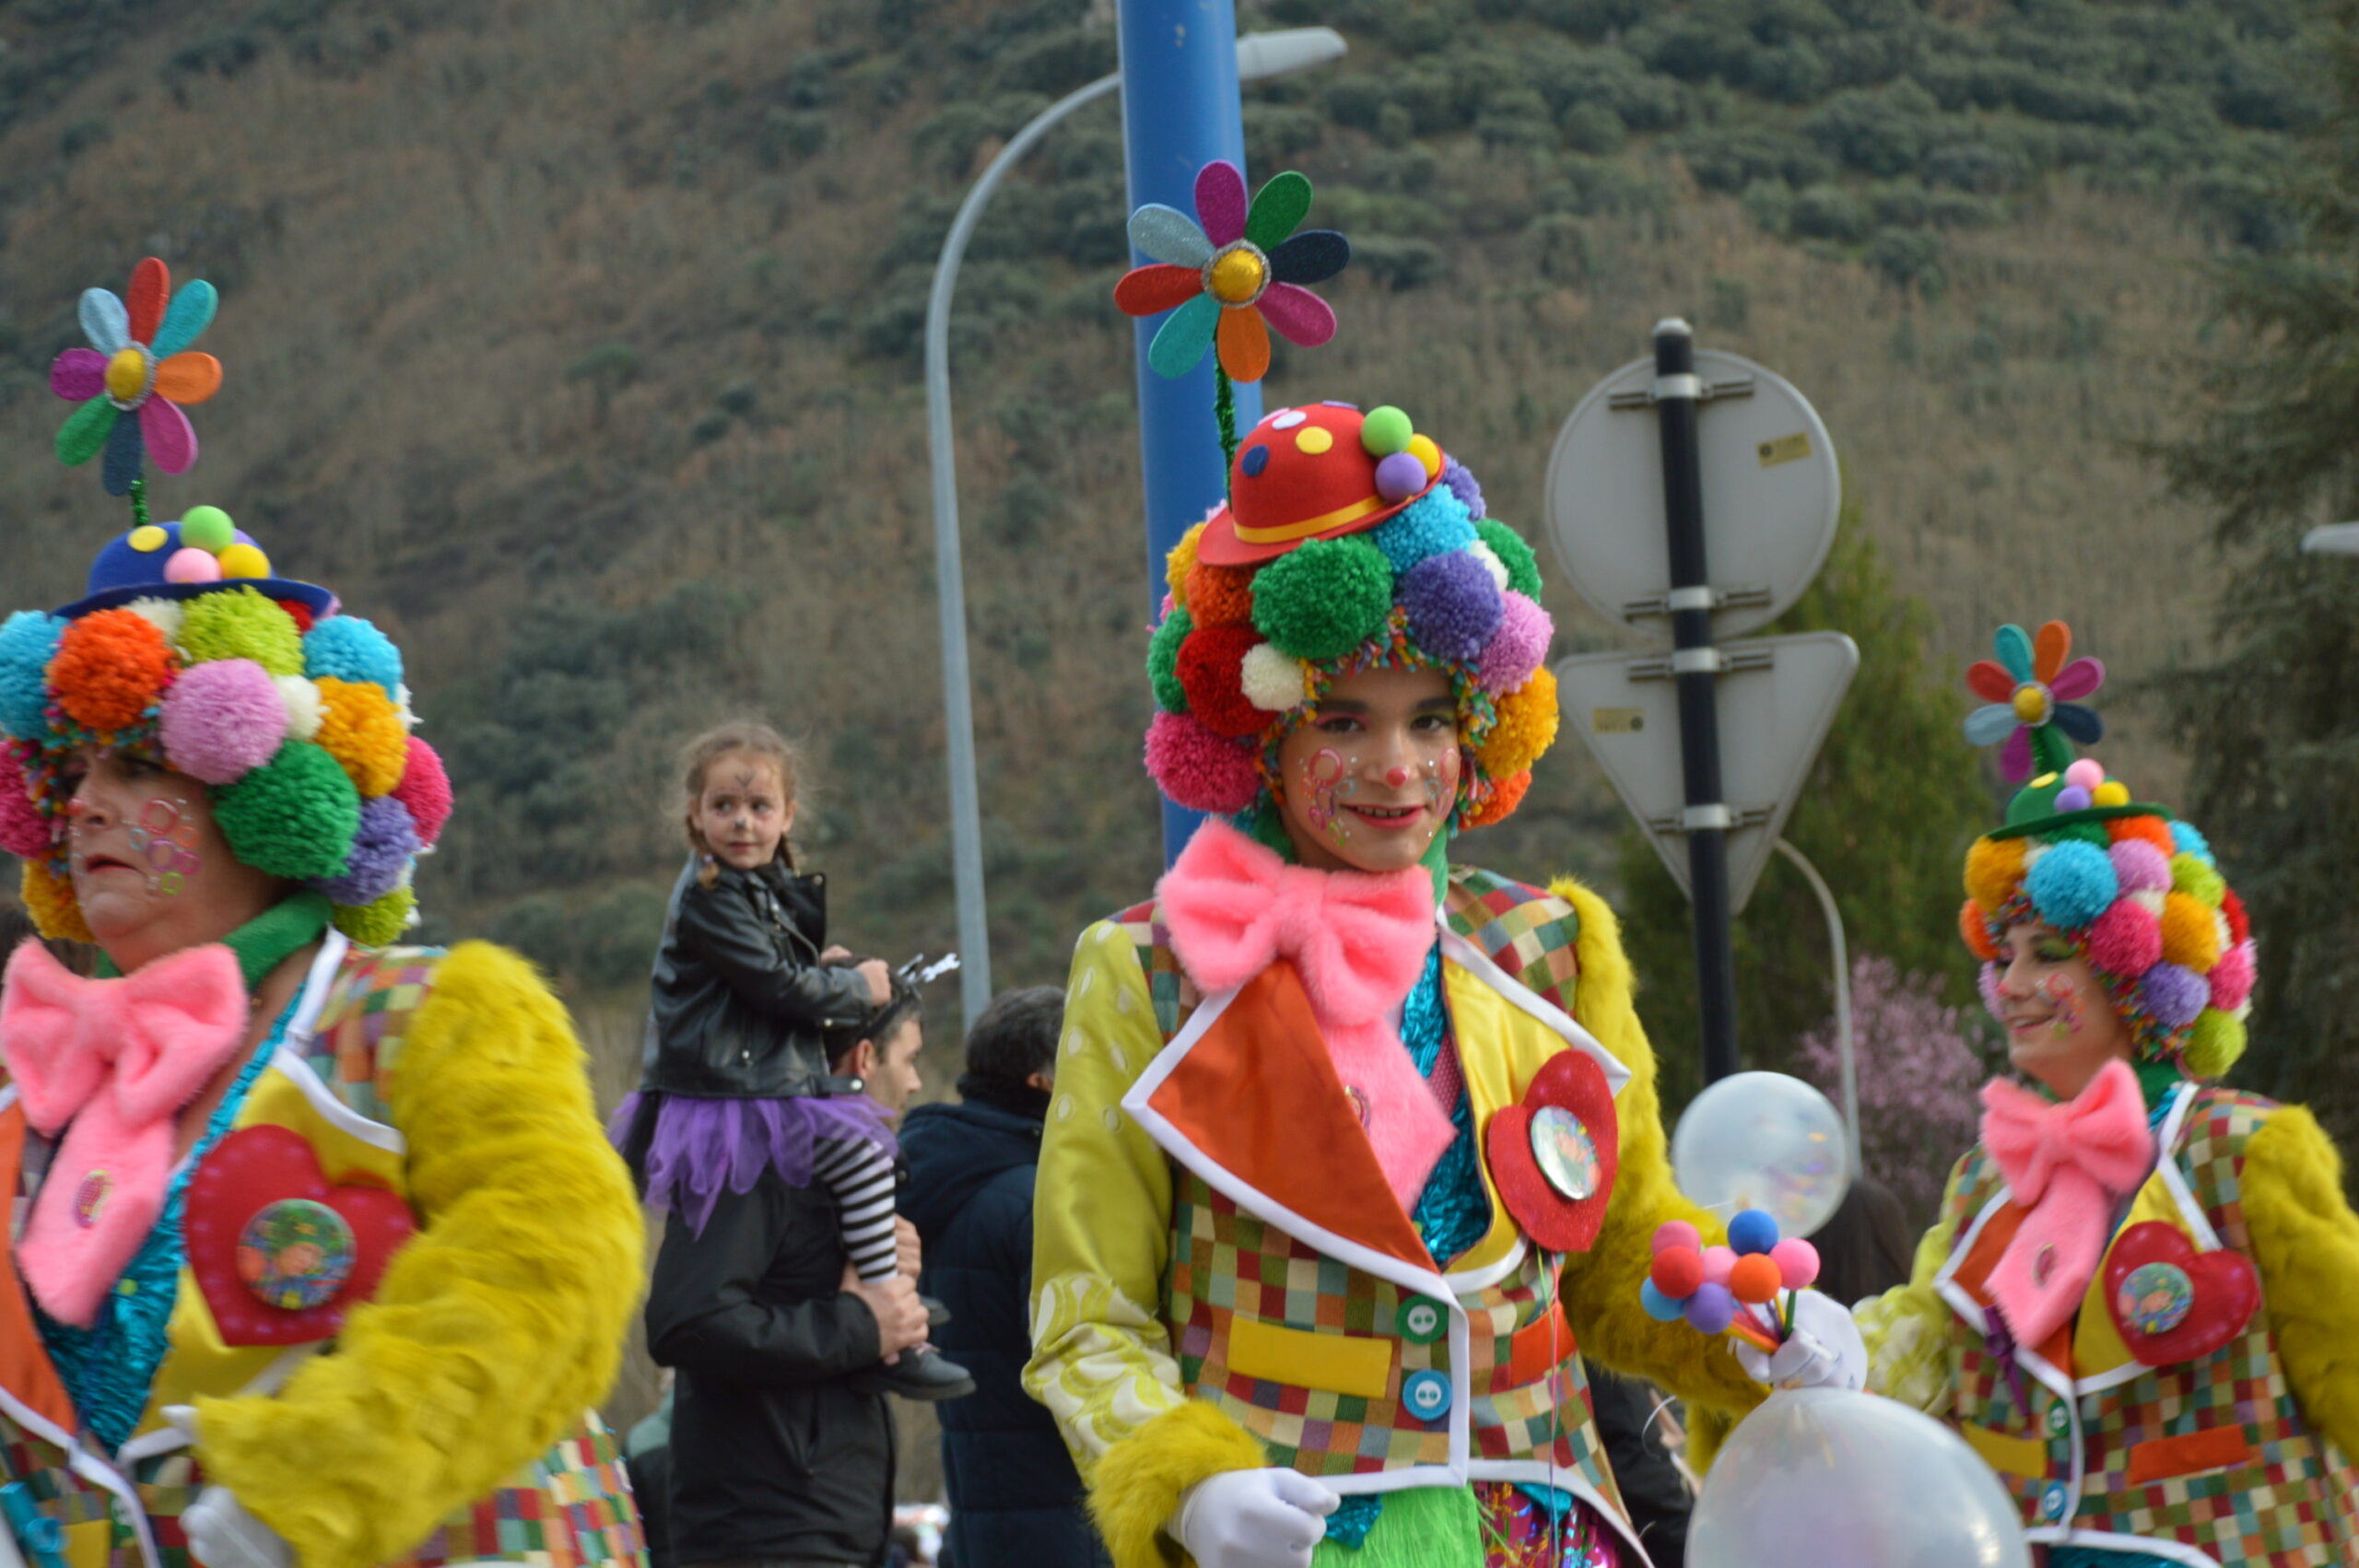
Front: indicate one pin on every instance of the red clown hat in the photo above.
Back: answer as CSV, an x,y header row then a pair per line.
x,y
1317,473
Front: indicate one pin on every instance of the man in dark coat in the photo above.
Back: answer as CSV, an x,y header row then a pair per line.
x,y
1015,1498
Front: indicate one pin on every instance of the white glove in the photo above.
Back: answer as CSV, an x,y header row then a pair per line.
x,y
1268,1519
1824,1351
221,1534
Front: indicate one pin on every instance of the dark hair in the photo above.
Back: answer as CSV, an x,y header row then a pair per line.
x,y
1016,1036
1864,1247
902,1005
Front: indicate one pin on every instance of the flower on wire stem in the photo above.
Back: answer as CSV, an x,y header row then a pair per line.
x,y
136,365
2027,689
1232,272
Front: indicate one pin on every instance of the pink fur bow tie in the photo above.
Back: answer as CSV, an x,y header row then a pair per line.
x,y
115,1058
2068,1165
1359,940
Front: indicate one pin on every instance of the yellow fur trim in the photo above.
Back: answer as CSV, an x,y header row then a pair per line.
x,y
1601,1285
2306,1240
1134,1488
500,1323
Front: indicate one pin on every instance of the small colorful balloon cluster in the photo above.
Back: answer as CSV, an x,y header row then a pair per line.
x,y
1732,1289
1244,653
297,723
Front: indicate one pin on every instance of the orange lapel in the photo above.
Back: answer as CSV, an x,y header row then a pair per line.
x,y
24,1369
1257,1096
1973,1276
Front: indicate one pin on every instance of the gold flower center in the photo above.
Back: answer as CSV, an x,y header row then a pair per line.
x,y
1237,276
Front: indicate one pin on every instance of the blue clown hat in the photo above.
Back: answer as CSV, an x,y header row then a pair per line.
x,y
156,560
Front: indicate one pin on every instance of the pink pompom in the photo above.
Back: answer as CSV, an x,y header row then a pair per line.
x,y
2086,774
425,790
1797,1263
2232,978
191,565
222,720
1515,649
2139,867
24,831
1673,1233
1200,768
1717,1261
1987,983
2127,939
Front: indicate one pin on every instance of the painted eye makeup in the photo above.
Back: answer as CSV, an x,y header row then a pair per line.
x,y
2052,950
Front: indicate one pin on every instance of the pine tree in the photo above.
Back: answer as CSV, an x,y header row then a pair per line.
x,y
2271,725
1885,814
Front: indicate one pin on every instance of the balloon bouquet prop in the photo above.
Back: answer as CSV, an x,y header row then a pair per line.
x,y
1732,1289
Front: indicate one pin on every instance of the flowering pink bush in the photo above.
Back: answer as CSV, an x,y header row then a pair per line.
x,y
1919,1073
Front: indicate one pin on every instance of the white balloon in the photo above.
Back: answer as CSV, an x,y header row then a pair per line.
x,y
1822,1478
1763,1141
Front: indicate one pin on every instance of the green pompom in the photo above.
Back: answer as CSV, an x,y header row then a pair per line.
x,y
2215,1044
1323,599
208,528
1385,431
380,924
1163,661
2091,833
293,817
238,623
2198,881
1523,567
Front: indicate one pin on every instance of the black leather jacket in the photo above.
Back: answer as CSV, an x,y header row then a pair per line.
x,y
739,996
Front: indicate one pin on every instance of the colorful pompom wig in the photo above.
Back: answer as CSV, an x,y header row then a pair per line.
x,y
2138,894
1350,543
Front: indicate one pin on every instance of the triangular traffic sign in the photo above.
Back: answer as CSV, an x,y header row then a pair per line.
x,y
1777,697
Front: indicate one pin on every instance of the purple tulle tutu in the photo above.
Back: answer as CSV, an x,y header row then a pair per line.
x,y
697,1146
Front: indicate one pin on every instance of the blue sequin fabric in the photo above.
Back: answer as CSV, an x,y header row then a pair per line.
x,y
110,1367
1454,1209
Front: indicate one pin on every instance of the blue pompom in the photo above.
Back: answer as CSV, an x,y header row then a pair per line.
x,y
1659,1306
28,643
349,649
2073,884
2191,841
1753,1230
1434,524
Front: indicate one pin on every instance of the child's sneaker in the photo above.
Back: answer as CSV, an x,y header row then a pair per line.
x,y
924,1373
936,1314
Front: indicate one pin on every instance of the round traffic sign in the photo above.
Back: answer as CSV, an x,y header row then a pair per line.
x,y
1771,494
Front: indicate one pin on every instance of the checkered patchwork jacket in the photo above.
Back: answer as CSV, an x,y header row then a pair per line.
x,y
331,1082
1209,1224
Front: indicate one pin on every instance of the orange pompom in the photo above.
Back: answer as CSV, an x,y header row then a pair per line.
x,y
1994,869
1976,929
1219,596
2152,829
2190,932
1527,726
1506,795
49,899
360,728
110,668
1756,1278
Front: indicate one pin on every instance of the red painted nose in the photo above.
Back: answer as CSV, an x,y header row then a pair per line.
x,y
1396,777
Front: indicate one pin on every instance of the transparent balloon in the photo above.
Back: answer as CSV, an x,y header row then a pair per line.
x,y
1763,1141
1822,1478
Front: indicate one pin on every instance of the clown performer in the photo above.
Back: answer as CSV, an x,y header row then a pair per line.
x,y
1353,1151
2136,1304
319,1257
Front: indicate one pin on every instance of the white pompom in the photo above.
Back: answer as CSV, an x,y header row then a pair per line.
x,y
1491,562
302,700
1272,682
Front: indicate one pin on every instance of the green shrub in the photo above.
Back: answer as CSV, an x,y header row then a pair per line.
x,y
1515,117
1790,72
1906,256
1593,127
1399,264
1731,158
1829,212
1770,204
1883,131
1560,246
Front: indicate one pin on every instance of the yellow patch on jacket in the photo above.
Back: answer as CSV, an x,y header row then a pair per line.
x,y
500,1323
1134,1488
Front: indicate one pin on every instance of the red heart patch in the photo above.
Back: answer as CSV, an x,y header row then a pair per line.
x,y
1554,1156
2172,1302
280,1255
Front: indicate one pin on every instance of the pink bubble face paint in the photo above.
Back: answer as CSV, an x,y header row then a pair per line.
x,y
1324,774
2065,997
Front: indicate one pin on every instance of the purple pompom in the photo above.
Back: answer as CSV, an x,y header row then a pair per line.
x,y
222,720
1461,482
1988,984
1400,476
2139,867
383,845
2173,994
1516,649
1453,607
2072,798
1712,1309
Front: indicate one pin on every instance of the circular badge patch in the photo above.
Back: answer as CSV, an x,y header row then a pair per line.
x,y
296,1253
1564,1152
2155,1298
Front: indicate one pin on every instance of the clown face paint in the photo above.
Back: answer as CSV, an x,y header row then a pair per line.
x,y
742,810
1370,781
2061,1027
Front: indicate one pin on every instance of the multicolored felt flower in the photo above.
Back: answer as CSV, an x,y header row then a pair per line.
x,y
1234,276
2029,688
135,365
